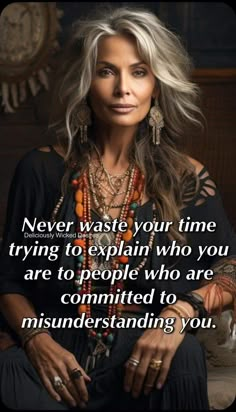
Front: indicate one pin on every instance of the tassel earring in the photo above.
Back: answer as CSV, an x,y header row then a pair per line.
x,y
83,120
156,121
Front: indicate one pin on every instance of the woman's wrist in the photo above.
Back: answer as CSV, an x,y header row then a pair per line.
x,y
174,310
38,338
196,301
187,308
30,333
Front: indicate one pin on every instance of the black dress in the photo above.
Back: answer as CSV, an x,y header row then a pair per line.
x,y
34,192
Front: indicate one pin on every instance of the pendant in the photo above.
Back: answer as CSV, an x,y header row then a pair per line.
x,y
99,348
104,238
106,217
96,264
95,355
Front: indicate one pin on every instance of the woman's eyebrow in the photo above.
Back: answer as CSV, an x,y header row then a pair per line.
x,y
112,65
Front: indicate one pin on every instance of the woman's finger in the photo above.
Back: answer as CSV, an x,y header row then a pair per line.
x,y
131,366
77,386
77,377
49,387
73,391
66,395
58,380
152,373
44,377
140,374
164,370
69,387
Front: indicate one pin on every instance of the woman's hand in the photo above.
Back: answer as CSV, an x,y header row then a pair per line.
x,y
50,360
153,344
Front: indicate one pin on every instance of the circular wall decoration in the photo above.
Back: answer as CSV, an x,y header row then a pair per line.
x,y
28,38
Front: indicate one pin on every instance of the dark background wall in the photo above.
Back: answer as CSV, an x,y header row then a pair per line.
x,y
208,30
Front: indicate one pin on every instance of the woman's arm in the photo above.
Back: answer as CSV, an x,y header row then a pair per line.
x,y
29,197
14,308
212,303
218,294
154,343
45,354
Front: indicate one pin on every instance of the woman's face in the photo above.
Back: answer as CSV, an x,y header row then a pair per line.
x,y
123,85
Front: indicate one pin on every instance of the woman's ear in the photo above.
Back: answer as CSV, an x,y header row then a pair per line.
x,y
156,90
156,93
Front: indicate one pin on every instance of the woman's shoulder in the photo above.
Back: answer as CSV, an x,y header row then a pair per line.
x,y
39,165
54,149
199,167
38,157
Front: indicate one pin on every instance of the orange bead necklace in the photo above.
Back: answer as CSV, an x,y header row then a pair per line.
x,y
85,240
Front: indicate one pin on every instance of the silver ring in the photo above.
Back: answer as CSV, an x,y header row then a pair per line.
x,y
133,362
57,382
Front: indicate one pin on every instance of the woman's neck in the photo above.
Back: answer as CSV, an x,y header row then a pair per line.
x,y
113,146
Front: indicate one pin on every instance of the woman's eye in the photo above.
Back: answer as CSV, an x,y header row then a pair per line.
x,y
139,73
105,72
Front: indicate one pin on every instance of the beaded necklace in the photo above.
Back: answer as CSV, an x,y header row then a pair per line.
x,y
80,183
112,183
83,213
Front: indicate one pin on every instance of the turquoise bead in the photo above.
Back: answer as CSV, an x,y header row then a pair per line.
x,y
133,205
99,335
79,265
110,338
121,266
75,175
80,258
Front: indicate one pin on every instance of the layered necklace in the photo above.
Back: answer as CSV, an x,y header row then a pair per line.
x,y
105,186
87,186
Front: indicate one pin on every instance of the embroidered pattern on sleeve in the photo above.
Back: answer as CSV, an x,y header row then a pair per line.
x,y
207,188
224,280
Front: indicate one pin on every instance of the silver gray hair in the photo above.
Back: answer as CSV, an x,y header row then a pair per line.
x,y
160,48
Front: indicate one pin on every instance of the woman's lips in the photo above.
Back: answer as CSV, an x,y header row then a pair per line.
x,y
122,109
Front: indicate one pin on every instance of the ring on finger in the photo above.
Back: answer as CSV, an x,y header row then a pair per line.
x,y
148,385
57,382
155,364
155,367
75,374
133,361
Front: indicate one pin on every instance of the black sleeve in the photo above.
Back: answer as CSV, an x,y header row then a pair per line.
x,y
207,206
30,196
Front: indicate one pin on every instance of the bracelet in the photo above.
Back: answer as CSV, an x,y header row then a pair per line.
x,y
174,309
29,333
196,301
185,311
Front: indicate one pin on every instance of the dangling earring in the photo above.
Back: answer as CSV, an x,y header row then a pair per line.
x,y
83,120
156,121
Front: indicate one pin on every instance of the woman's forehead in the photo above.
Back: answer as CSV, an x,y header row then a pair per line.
x,y
116,43
118,47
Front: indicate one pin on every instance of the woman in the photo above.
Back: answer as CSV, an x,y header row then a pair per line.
x,y
126,99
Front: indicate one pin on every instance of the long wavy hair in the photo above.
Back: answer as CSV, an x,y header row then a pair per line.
x,y
166,167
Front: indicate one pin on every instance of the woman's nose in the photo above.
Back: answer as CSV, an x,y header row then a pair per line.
x,y
122,85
